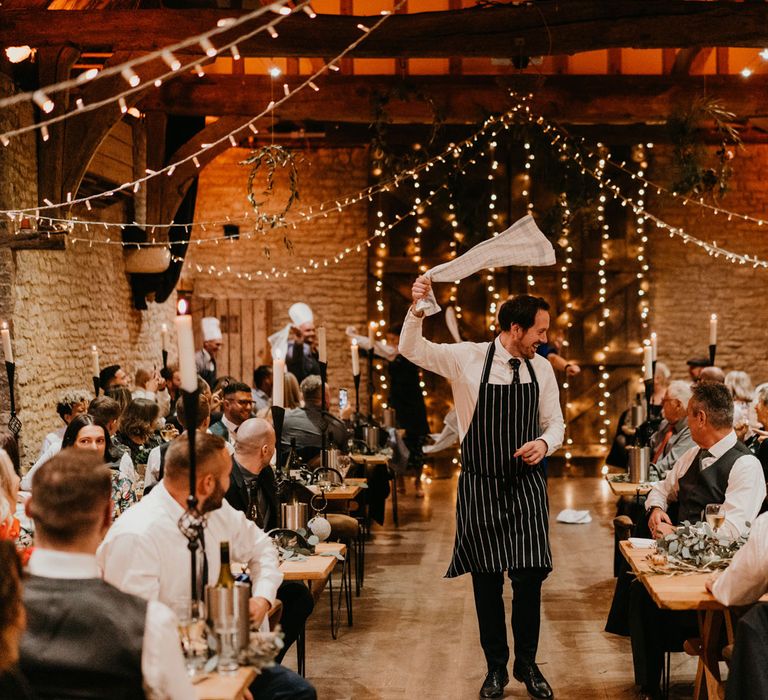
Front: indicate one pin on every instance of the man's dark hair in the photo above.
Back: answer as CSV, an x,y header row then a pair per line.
x,y
521,310
716,401
69,493
234,387
107,375
260,374
104,410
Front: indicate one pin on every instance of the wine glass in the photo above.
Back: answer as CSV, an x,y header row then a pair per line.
x,y
192,634
715,515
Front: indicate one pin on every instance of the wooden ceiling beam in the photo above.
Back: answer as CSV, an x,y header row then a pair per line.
x,y
533,29
607,99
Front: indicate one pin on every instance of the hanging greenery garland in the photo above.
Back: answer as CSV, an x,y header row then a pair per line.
x,y
273,157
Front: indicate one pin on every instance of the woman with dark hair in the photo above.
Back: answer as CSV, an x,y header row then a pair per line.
x,y
12,623
137,429
84,433
121,394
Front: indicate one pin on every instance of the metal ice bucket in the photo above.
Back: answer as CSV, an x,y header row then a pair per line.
x,y
226,602
295,515
372,435
637,415
389,418
639,463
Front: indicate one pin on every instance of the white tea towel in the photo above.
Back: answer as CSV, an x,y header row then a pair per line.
x,y
521,244
642,543
574,517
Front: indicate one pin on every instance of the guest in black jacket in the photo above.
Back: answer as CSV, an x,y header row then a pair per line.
x,y
253,490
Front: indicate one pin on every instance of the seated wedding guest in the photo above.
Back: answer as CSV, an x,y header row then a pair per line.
x,y
13,685
70,404
84,433
237,405
115,454
145,553
11,446
9,493
253,490
137,429
742,391
105,411
291,397
172,378
758,443
673,437
303,424
112,376
121,394
84,637
718,469
156,460
151,386
712,374
695,365
262,387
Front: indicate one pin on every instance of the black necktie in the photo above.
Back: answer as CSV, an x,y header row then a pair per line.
x,y
514,363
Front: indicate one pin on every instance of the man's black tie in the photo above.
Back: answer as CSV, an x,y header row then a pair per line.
x,y
515,364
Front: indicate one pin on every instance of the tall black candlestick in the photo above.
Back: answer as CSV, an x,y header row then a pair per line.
x,y
193,523
96,386
648,398
356,380
278,416
165,359
370,386
323,419
712,353
14,424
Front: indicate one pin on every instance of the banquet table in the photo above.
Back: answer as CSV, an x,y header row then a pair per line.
x,y
225,687
629,488
688,592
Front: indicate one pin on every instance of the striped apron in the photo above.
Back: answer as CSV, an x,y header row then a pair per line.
x,y
502,510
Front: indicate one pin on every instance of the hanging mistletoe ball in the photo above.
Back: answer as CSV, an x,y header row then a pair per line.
x,y
271,157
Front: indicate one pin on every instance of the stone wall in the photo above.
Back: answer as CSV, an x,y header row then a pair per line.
x,y
59,303
337,293
687,284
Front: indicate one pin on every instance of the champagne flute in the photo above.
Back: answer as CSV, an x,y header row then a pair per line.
x,y
715,515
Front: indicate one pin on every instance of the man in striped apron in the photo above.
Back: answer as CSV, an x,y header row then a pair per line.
x,y
508,409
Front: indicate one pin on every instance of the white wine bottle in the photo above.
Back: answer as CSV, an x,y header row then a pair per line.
x,y
226,579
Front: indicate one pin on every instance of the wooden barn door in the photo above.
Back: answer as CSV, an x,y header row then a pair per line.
x,y
245,325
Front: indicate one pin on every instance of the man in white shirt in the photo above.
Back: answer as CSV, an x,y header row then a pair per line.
x,y
508,409
719,469
84,637
145,553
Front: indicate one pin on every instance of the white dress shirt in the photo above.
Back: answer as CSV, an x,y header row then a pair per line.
x,y
146,554
462,364
162,664
746,578
743,497
53,438
127,470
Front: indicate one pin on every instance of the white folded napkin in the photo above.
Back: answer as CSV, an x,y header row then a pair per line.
x,y
380,348
574,517
642,543
521,244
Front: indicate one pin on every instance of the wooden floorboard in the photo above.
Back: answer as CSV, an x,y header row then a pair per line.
x,y
415,633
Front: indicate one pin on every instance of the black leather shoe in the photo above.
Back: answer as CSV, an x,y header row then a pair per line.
x,y
535,683
494,684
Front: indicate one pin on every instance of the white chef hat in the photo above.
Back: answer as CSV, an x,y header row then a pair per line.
x,y
211,328
300,313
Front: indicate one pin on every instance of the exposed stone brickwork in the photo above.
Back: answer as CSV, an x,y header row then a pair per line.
x,y
687,285
337,293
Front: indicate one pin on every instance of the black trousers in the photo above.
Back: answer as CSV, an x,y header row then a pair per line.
x,y
297,607
526,615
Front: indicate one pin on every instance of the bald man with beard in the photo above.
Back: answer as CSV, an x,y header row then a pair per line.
x,y
253,490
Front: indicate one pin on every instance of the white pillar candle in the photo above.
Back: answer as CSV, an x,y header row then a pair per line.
x,y
95,366
322,350
355,359
648,362
278,382
655,346
164,336
372,334
7,349
713,329
186,341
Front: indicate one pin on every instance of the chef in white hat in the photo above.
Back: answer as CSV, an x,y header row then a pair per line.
x,y
301,354
205,359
